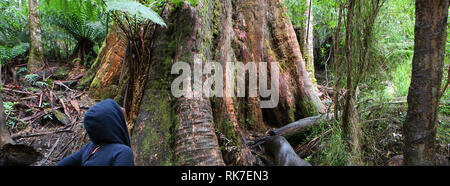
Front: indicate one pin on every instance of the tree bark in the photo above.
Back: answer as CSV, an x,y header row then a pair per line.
x,y
308,47
35,58
361,16
176,131
109,66
337,45
195,138
181,131
423,97
287,53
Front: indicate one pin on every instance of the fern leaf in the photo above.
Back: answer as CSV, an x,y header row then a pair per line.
x,y
135,9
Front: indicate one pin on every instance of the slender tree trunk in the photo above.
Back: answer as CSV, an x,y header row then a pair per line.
x,y
361,16
346,118
423,96
308,47
337,45
35,58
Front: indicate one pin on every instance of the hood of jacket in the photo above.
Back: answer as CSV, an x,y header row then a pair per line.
x,y
105,123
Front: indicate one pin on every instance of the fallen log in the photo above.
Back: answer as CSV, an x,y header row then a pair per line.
x,y
300,126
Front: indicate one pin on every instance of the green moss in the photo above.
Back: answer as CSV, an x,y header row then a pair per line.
x,y
309,108
35,59
86,80
309,63
100,56
109,92
59,116
61,72
207,29
149,142
292,113
227,128
95,83
157,133
250,121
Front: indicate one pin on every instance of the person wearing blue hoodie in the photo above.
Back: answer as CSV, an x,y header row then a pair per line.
x,y
110,143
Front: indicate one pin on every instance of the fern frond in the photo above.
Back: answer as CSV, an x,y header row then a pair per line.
x,y
134,8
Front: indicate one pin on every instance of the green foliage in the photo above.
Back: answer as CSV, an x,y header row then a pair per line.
x,y
326,14
41,84
395,38
135,9
443,129
296,11
31,78
10,113
332,149
22,70
82,19
8,53
14,39
80,28
9,107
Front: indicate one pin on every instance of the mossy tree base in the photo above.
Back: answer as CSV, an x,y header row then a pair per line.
x,y
108,66
182,131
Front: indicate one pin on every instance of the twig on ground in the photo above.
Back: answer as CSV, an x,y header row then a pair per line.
x,y
65,109
18,136
50,153
65,146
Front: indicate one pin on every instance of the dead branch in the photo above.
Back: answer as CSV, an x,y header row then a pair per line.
x,y
19,136
65,108
301,125
50,153
18,91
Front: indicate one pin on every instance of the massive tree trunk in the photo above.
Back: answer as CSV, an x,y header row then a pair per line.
x,y
176,131
35,58
423,96
171,130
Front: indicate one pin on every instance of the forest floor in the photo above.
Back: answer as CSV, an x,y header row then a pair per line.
x,y
45,111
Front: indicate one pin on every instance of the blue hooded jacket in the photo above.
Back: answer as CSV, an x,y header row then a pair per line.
x,y
106,127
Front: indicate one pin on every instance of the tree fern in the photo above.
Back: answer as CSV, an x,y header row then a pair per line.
x,y
134,8
82,19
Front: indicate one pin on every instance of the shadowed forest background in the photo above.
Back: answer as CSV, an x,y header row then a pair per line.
x,y
361,82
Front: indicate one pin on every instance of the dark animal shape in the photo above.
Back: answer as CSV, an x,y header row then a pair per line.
x,y
18,155
282,152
